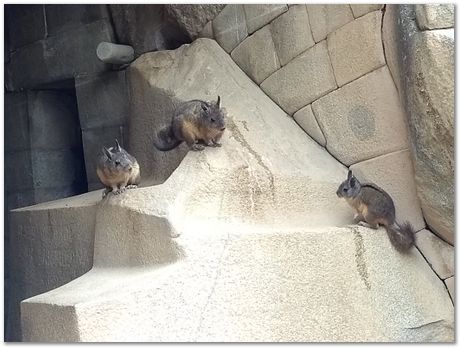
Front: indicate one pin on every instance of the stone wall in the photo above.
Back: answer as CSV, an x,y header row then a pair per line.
x,y
336,69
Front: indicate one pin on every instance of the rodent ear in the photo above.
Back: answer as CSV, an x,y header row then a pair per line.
x,y
350,175
117,145
218,101
204,107
352,182
107,152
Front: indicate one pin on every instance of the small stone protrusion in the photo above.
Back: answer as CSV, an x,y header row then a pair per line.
x,y
115,54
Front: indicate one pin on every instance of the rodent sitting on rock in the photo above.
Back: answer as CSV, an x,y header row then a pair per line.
x,y
117,170
374,206
194,121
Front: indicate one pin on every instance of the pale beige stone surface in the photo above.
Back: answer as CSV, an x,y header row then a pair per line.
x,y
291,33
290,88
361,9
324,19
238,232
306,119
450,283
258,15
435,16
394,173
257,55
363,119
439,254
356,48
229,27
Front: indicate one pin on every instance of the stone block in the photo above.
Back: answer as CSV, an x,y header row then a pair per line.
x,y
305,79
450,284
257,55
51,247
25,23
207,31
356,48
390,37
439,254
291,33
435,16
363,119
56,168
362,9
431,101
63,17
324,19
19,199
307,121
16,122
93,141
59,57
394,173
102,99
53,120
258,15
229,27
191,18
18,171
143,26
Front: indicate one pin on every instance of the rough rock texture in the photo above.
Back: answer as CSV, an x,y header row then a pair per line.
x,y
64,17
291,33
239,239
363,119
395,174
424,66
435,16
257,15
229,27
307,120
288,86
145,28
324,19
356,48
257,56
438,253
193,17
360,10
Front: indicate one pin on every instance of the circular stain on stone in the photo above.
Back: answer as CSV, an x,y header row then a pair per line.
x,y
362,122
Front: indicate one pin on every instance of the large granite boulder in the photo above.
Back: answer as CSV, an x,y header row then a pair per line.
x,y
422,63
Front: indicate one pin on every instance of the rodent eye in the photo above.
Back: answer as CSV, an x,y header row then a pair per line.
x,y
345,189
213,120
117,163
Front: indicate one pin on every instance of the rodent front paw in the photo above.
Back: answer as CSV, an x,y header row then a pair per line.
x,y
197,147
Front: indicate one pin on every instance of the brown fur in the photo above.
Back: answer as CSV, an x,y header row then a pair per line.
x,y
375,206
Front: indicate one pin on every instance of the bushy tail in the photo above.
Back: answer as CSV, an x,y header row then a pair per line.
x,y
401,236
166,140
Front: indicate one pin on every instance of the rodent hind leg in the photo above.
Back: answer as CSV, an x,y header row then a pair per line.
x,y
132,186
372,221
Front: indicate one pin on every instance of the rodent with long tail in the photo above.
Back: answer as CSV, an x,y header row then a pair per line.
x,y
194,121
374,206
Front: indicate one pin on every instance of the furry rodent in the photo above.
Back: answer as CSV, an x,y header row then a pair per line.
x,y
374,206
194,121
117,170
